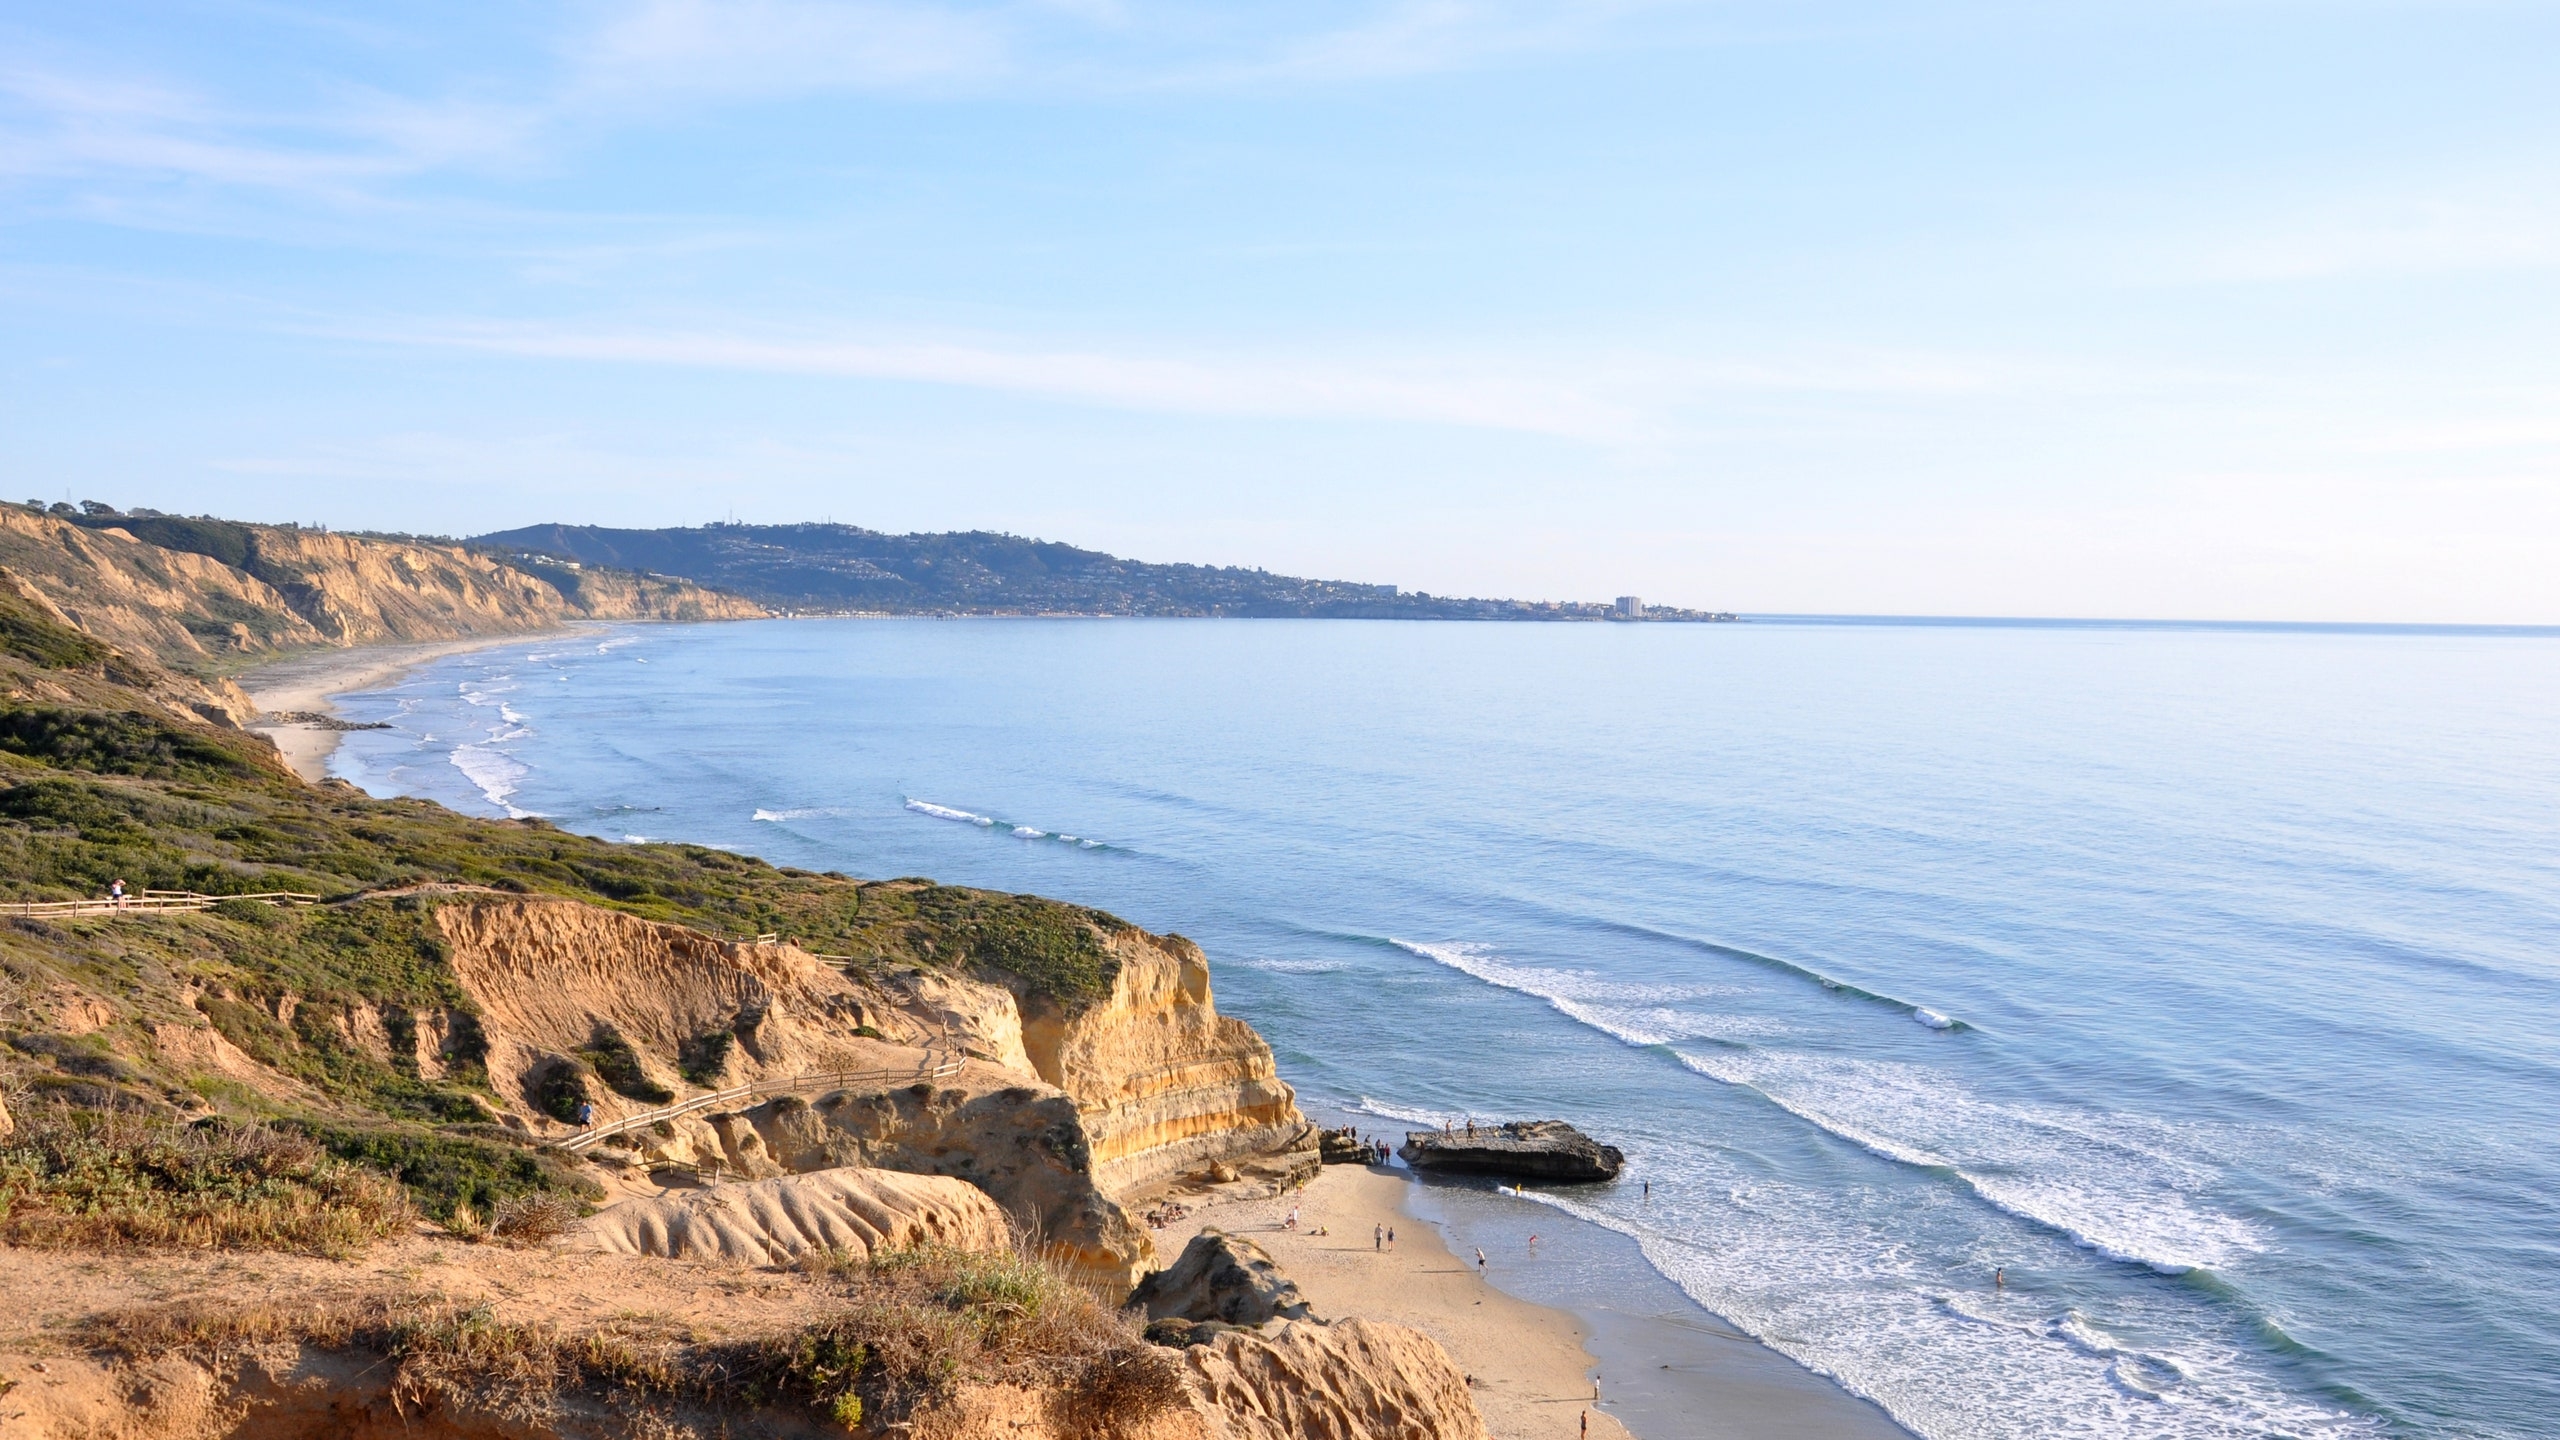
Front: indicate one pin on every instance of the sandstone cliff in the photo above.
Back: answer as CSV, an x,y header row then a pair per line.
x,y
195,593
1058,1117
854,1213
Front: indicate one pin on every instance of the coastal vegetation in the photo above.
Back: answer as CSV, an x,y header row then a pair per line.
x,y
102,781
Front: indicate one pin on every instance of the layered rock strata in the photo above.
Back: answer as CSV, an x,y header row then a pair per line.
x,y
857,1213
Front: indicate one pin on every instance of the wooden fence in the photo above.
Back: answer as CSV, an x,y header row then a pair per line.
x,y
149,902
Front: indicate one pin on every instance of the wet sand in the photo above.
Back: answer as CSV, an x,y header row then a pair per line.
x,y
1545,1328
305,684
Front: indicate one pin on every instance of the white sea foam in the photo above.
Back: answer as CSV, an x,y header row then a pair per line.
x,y
1294,967
1634,1014
945,812
1028,832
1793,1267
2077,1173
1931,1018
494,773
804,813
1386,1110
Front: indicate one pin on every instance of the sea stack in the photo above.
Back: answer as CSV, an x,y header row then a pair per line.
x,y
1523,1149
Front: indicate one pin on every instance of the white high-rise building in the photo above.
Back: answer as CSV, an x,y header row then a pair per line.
x,y
1630,607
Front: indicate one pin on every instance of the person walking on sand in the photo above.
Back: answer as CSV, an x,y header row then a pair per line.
x,y
1378,1237
1586,1425
1479,1260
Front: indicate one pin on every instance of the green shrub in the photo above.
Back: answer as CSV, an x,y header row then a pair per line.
x,y
705,1057
444,1170
101,1180
618,1066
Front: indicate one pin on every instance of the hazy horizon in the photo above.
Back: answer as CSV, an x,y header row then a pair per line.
x,y
2132,312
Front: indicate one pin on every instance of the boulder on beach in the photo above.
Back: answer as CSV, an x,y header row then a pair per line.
x,y
1221,1277
1338,1147
1523,1149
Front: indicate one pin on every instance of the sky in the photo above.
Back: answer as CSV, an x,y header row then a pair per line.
x,y
2235,309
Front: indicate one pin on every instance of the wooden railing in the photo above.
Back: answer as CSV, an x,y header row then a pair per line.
x,y
928,1068
149,902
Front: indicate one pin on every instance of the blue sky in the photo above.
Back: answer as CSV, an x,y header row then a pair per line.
x,y
2233,310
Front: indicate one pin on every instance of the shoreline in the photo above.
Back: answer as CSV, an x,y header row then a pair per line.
x,y
1528,1366
309,683
1578,1322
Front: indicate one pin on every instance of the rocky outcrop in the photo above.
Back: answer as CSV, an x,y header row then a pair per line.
x,y
549,978
1166,1083
1524,1149
1351,1380
858,1213
1023,1144
1224,1278
1341,1147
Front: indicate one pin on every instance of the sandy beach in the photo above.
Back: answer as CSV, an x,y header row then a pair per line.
x,y
304,684
1672,1371
1531,1374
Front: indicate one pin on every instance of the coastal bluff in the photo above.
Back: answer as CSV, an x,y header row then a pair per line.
x,y
1058,1109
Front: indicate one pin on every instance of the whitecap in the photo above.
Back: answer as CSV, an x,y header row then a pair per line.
x,y
2072,1173
1027,832
945,812
1931,1018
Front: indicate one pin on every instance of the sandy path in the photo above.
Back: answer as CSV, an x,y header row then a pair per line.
x,y
306,682
1532,1375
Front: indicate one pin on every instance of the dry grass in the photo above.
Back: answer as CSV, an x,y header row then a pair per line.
x,y
923,1323
105,1181
917,1328
532,1219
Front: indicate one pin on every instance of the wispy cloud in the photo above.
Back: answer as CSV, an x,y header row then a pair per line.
x,y
1241,386
771,48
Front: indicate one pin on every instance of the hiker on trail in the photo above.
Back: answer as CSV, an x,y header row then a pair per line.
x,y
586,1114
1378,1237
115,893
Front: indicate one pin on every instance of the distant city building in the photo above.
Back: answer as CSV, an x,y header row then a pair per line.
x,y
1630,607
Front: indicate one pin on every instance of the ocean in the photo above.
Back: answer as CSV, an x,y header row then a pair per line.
x,y
2202,981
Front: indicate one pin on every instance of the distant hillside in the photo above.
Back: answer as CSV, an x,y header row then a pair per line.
x,y
844,568
200,595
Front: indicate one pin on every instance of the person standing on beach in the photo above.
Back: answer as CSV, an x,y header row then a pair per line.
x,y
1378,1237
1479,1260
1391,1234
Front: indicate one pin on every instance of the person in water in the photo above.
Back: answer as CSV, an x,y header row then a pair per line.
x,y
1480,1260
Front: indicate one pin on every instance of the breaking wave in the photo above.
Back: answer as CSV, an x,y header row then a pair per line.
x,y
2090,1178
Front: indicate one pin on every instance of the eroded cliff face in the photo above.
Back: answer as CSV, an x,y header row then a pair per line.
x,y
277,589
556,984
1166,1083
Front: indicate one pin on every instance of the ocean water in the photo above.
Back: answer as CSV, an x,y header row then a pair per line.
x,y
2206,982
